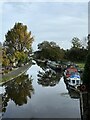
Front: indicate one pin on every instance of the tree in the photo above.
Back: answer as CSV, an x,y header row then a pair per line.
x,y
76,54
76,43
49,50
18,40
5,60
43,45
88,41
86,73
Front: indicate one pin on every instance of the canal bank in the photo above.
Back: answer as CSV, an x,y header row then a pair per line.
x,y
15,73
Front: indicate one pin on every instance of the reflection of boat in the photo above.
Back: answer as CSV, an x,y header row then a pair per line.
x,y
72,91
73,94
53,65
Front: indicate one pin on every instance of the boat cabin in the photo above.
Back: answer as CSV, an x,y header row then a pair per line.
x,y
74,79
68,72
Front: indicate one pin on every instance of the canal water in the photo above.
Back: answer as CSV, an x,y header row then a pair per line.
x,y
40,93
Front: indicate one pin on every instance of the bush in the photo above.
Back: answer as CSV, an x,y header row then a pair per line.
x,y
86,74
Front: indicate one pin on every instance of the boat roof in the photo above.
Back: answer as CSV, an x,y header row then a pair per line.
x,y
75,76
72,69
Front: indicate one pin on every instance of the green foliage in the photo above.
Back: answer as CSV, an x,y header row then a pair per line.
x,y
86,74
81,65
49,50
18,90
18,43
88,42
76,54
5,60
21,56
76,43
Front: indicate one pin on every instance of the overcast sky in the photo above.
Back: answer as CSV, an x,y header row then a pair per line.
x,y
52,21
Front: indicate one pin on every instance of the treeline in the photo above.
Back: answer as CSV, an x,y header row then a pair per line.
x,y
52,51
17,48
76,54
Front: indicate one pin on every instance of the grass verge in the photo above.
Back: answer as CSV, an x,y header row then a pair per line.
x,y
81,65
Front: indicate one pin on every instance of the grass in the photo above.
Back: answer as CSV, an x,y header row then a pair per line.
x,y
81,65
15,73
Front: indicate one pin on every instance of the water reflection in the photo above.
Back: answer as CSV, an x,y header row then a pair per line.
x,y
73,94
56,103
18,90
42,65
49,77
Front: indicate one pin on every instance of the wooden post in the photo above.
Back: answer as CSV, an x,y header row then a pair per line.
x,y
85,105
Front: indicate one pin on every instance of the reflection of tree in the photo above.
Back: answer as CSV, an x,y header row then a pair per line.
x,y
42,65
48,78
18,90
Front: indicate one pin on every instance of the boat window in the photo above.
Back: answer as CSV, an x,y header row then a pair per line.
x,y
77,81
73,81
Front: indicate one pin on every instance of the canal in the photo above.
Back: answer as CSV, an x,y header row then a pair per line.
x,y
40,93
